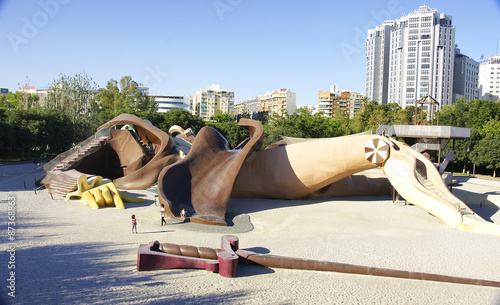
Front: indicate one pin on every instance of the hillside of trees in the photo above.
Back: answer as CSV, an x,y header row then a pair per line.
x,y
75,108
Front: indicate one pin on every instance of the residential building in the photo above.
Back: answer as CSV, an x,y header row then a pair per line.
x,y
281,101
353,102
249,109
465,79
328,101
377,61
167,102
206,102
333,102
418,60
489,79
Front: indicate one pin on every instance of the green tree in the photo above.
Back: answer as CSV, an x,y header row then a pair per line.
x,y
180,118
482,111
491,128
487,153
275,133
19,100
74,94
124,96
455,115
362,116
228,128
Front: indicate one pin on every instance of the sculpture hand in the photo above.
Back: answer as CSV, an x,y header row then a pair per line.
x,y
97,195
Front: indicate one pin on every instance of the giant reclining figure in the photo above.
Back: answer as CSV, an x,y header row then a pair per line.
x,y
203,182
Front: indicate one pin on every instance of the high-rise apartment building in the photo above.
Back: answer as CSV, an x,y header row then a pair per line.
x,y
465,80
206,102
377,61
489,79
412,57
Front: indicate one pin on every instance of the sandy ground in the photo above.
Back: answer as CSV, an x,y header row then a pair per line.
x,y
67,253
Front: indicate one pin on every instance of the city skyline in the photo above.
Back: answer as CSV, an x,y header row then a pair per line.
x,y
251,47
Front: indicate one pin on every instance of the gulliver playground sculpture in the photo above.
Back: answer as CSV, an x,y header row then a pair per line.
x,y
203,182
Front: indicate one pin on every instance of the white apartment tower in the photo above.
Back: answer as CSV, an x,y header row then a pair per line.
x,y
489,79
206,102
377,61
415,58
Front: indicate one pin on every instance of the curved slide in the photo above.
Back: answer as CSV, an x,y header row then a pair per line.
x,y
419,182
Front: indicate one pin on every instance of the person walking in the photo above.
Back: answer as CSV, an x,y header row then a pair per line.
x,y
134,224
163,214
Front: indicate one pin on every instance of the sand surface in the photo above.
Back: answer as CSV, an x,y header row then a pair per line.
x,y
67,253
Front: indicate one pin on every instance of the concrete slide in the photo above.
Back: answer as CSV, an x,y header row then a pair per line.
x,y
418,181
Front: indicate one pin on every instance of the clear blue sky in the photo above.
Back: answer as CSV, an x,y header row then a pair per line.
x,y
249,46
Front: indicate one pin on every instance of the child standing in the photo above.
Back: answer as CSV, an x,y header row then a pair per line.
x,y
163,214
134,224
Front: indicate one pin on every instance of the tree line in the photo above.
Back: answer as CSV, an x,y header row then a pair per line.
x,y
75,107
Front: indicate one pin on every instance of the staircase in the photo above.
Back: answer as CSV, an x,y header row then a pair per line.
x,y
61,180
81,152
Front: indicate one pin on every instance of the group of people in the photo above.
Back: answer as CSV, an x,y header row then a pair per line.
x,y
163,214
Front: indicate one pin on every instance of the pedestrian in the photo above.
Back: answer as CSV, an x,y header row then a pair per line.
x,y
134,224
163,214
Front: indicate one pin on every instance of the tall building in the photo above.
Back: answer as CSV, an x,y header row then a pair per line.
x,y
167,102
465,79
279,101
418,59
377,61
489,79
206,102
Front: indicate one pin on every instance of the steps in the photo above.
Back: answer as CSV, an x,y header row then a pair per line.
x,y
61,183
83,151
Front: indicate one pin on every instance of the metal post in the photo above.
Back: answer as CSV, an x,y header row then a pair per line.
x,y
452,163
